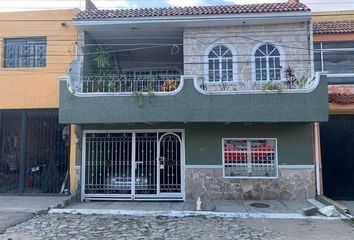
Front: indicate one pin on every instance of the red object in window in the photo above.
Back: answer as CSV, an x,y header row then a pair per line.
x,y
234,155
262,152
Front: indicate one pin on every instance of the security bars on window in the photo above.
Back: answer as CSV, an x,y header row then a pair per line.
x,y
250,158
25,52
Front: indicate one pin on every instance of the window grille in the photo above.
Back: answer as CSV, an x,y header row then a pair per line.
x,y
250,158
25,52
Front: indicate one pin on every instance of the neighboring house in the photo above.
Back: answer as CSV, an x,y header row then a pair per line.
x,y
334,54
171,103
35,49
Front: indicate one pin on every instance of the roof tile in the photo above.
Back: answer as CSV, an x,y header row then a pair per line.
x,y
94,14
327,27
341,98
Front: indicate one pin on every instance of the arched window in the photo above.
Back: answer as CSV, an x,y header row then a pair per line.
x,y
220,64
267,63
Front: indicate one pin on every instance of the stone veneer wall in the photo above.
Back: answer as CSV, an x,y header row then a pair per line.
x,y
292,184
293,38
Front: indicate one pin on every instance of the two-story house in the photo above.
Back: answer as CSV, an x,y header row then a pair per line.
x,y
172,103
334,54
36,48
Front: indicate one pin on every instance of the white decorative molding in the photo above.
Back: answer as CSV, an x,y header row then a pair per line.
x,y
204,166
311,85
220,166
296,166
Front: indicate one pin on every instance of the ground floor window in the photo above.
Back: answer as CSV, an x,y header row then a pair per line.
x,y
250,158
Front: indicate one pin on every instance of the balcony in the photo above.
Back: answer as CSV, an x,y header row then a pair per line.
x,y
169,82
162,97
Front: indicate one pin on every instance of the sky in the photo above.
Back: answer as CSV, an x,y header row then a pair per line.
x,y
21,5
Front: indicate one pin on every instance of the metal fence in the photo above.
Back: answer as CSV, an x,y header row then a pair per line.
x,y
34,156
125,83
132,165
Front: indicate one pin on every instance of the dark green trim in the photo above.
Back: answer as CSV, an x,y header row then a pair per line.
x,y
203,141
191,106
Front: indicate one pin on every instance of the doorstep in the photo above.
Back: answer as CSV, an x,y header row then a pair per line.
x,y
278,209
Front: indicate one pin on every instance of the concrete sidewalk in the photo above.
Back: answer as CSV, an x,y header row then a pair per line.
x,y
349,205
17,209
240,209
30,204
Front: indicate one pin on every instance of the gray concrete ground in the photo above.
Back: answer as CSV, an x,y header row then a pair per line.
x,y
349,205
275,206
9,219
70,226
31,204
17,209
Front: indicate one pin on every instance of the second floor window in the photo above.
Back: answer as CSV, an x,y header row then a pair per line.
x,y
267,63
25,52
220,64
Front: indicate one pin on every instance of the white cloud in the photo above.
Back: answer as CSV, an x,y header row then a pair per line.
x,y
114,4
182,3
23,5
315,5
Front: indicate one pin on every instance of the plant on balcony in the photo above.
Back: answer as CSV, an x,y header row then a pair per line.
x,y
148,89
203,85
169,86
290,78
139,96
301,83
102,60
272,86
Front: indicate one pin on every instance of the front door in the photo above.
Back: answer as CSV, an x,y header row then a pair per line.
x,y
133,165
337,151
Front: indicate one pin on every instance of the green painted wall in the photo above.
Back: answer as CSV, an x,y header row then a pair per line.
x,y
191,106
203,140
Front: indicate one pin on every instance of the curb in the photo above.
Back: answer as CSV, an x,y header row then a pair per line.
x,y
191,213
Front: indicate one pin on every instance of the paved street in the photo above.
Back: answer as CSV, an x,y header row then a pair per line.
x,y
17,209
8,219
68,226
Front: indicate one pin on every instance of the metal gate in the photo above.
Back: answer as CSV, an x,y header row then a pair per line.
x,y
133,165
337,151
34,152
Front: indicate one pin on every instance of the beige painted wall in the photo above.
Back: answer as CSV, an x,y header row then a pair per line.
x,y
333,16
24,88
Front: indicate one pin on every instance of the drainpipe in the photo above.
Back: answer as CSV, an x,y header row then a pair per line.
x,y
317,158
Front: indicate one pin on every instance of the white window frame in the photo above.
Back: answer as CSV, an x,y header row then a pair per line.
x,y
322,50
251,177
234,63
281,62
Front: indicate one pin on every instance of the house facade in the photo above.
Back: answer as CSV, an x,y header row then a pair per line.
x,y
334,51
35,49
172,103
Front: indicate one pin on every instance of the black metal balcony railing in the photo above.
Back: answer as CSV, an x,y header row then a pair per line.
x,y
123,83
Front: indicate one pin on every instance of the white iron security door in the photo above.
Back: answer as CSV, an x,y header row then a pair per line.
x,y
134,165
